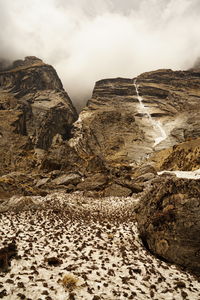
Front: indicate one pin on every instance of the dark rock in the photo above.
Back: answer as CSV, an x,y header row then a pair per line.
x,y
53,261
168,220
6,254
34,110
67,179
3,293
145,177
93,182
117,190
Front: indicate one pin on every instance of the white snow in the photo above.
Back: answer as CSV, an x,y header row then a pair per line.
x,y
98,243
184,174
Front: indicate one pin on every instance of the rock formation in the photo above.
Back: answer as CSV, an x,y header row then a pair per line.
x,y
34,109
168,220
129,130
122,120
35,112
127,125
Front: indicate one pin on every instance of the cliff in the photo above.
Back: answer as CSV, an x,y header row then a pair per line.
x,y
129,128
34,109
126,120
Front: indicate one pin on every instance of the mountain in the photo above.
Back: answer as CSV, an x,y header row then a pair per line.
x,y
34,110
152,120
129,131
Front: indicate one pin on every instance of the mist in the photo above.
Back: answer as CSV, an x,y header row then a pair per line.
x,y
87,40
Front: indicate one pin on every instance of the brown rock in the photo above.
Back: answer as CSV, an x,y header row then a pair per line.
x,y
93,182
67,179
117,190
168,220
6,254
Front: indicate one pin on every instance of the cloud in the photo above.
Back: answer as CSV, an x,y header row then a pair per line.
x,y
88,40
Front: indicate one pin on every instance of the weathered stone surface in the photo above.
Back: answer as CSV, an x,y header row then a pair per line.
x,y
6,254
67,179
112,136
93,182
145,177
144,169
113,126
184,156
168,220
117,190
34,108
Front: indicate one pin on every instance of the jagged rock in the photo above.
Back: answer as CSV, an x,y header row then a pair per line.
x,y
67,179
18,183
117,190
6,254
184,157
93,182
145,177
114,127
17,204
113,135
34,108
144,169
42,182
168,220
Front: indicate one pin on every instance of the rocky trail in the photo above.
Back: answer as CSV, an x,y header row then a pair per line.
x,y
73,247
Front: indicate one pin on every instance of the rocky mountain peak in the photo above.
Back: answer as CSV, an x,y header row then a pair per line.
x,y
33,104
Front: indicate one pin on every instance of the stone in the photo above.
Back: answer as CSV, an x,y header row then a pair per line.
x,y
184,157
143,170
42,182
117,190
53,261
168,217
34,111
94,182
6,254
145,177
67,179
113,126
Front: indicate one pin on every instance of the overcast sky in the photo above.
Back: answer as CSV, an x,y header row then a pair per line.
x,y
87,40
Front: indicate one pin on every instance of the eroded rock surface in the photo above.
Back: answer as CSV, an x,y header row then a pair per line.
x,y
34,108
168,220
121,130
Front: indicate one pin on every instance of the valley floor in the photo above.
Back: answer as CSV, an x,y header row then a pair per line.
x,y
100,255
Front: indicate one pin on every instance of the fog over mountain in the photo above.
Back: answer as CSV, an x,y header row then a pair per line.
x,y
88,40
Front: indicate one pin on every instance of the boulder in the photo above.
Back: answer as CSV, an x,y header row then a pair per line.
x,y
67,179
6,254
117,190
168,219
93,182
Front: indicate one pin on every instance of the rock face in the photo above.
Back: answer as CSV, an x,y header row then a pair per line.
x,y
168,220
125,117
184,157
128,128
34,110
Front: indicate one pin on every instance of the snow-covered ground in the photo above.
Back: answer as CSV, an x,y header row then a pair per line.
x,y
98,247
184,174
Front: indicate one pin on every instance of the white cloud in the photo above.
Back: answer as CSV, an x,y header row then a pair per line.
x,y
89,40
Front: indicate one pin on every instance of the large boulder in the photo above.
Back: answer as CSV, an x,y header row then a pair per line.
x,y
168,219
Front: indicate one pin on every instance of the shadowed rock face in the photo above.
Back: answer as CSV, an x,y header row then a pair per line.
x,y
168,220
34,108
114,126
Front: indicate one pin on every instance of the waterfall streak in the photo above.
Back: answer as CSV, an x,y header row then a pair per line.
x,y
155,124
